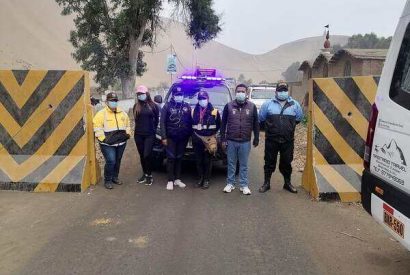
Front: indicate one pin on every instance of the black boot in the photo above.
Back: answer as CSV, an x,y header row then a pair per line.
x,y
265,187
288,186
205,185
108,185
200,183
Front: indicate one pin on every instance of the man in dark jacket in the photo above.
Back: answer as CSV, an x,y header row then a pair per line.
x,y
239,119
176,128
280,116
206,123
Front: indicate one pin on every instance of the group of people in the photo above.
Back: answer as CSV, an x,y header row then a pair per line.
x,y
179,123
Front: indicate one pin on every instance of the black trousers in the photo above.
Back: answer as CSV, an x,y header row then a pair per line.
x,y
203,158
175,151
144,147
272,148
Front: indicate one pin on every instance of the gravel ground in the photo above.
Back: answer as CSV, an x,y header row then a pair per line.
x,y
300,147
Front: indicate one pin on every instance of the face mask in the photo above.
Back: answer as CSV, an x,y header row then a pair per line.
x,y
142,97
203,103
179,98
282,96
240,97
112,104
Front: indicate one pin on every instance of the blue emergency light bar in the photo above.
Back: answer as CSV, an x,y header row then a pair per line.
x,y
203,74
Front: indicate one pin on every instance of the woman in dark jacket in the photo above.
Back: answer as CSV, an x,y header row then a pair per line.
x,y
206,122
176,128
146,114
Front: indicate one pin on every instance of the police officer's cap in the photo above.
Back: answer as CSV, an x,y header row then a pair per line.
x,y
112,96
282,86
203,95
177,90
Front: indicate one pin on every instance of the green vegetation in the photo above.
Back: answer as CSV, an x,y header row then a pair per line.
x,y
366,41
109,34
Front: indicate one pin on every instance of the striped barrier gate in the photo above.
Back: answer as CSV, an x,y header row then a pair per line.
x,y
339,110
46,133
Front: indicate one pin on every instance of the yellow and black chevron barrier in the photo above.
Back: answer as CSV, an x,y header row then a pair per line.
x,y
46,136
339,110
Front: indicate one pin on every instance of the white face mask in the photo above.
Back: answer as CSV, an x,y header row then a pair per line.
x,y
112,104
240,96
203,102
282,96
142,97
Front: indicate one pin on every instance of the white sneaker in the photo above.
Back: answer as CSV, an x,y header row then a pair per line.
x,y
245,190
170,186
179,183
228,188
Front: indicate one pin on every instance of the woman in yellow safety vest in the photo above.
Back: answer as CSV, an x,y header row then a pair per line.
x,y
112,129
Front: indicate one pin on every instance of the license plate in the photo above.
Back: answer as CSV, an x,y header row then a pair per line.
x,y
395,225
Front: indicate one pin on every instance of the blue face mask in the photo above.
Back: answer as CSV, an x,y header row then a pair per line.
x,y
142,97
112,104
179,98
282,96
241,97
203,102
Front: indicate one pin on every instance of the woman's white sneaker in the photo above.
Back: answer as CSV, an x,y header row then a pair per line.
x,y
228,188
170,186
245,190
179,183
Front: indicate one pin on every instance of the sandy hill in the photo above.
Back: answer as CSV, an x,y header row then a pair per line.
x,y
35,35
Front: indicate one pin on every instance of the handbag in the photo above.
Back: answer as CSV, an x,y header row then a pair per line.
x,y
210,143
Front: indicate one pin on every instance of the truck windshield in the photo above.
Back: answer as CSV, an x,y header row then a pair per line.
x,y
262,94
218,95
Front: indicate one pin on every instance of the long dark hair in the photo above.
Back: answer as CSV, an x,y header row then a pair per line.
x,y
138,105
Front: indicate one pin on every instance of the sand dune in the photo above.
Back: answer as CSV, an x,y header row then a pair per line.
x,y
35,35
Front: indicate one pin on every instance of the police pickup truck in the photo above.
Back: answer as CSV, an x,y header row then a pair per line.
x,y
219,95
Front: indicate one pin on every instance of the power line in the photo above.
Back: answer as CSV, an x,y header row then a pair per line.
x,y
245,71
161,51
221,68
179,60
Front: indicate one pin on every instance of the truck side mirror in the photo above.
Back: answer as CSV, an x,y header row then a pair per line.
x,y
158,99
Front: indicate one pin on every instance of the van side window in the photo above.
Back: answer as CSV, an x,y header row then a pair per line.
x,y
400,85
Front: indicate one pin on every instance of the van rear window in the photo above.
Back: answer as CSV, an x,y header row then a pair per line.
x,y
400,85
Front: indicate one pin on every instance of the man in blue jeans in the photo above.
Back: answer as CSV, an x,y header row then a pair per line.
x,y
239,119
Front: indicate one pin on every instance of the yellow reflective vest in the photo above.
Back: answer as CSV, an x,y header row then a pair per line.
x,y
107,121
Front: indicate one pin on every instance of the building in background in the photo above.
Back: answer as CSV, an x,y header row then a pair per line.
x,y
343,63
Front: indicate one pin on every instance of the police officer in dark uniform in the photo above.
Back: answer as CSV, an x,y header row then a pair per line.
x,y
176,128
280,116
206,123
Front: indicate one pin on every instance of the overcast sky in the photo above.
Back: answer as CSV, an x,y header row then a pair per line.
x,y
258,26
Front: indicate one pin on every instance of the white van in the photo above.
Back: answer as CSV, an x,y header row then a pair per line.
x,y
259,94
386,178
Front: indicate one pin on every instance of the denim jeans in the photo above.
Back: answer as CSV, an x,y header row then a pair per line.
x,y
113,156
238,151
